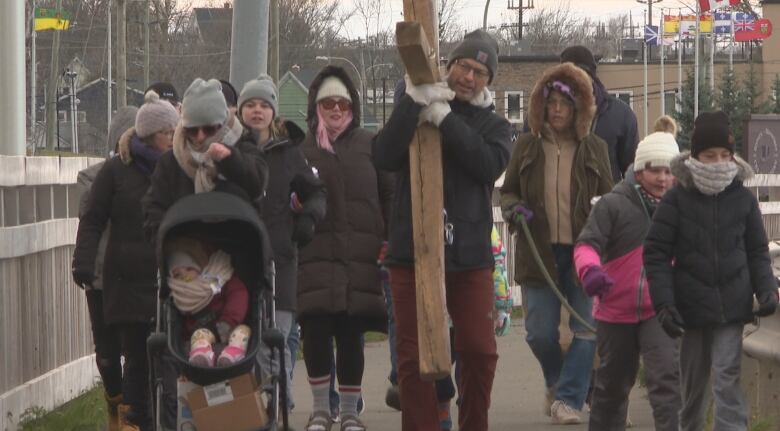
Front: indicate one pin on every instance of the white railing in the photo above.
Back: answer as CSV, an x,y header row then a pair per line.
x,y
45,339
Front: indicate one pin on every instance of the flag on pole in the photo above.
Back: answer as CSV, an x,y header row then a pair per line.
x,y
755,30
744,22
707,5
651,34
51,19
688,24
671,24
722,22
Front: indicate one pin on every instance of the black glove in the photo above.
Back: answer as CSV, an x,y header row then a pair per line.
x,y
767,304
671,321
83,277
303,230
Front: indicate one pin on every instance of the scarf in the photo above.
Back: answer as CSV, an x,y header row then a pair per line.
x,y
193,296
712,178
195,162
326,135
649,201
144,156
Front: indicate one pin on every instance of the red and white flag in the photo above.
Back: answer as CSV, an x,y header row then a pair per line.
x,y
707,5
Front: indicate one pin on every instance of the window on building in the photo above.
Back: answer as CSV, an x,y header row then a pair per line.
x,y
671,104
62,116
82,116
513,103
626,96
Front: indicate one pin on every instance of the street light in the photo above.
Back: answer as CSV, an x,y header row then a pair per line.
x,y
362,87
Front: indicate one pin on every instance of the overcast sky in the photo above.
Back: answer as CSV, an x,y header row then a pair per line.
x,y
471,11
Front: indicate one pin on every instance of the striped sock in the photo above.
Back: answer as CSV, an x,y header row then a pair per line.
x,y
320,387
349,400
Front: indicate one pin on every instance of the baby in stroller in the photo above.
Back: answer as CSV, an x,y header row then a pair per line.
x,y
212,300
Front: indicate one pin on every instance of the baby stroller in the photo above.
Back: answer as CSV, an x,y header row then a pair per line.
x,y
232,224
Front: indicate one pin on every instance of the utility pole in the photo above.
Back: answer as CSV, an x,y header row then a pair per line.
x,y
12,78
273,48
520,7
51,95
33,77
146,46
121,53
249,53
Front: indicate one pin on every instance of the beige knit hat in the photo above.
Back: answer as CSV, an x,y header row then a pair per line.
x,y
656,150
332,87
155,115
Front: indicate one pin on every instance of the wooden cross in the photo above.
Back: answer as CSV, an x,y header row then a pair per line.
x,y
417,40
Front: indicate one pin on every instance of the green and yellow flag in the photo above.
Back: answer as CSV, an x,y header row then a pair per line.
x,y
51,19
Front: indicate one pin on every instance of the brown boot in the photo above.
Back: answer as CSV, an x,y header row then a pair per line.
x,y
113,411
124,425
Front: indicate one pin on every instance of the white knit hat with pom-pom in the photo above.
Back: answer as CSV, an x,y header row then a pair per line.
x,y
155,115
658,148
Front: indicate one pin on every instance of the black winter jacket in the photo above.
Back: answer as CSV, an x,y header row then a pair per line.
x,y
244,173
288,172
476,144
708,255
130,268
615,123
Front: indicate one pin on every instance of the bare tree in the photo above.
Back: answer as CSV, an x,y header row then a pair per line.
x,y
449,28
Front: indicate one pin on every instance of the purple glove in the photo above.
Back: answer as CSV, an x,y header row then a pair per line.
x,y
515,214
596,282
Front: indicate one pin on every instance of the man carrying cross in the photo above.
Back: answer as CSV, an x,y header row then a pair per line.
x,y
475,145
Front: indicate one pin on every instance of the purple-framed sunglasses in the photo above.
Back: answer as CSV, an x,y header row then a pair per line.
x,y
560,86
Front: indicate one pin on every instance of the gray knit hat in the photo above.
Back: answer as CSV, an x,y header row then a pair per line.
x,y
261,88
155,115
479,46
204,104
123,119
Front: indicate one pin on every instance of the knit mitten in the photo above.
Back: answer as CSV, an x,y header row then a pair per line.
x,y
201,352
236,348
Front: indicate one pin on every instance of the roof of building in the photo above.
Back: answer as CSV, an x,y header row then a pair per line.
x,y
215,24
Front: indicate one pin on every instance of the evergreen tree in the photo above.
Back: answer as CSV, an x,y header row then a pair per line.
x,y
775,99
734,101
684,116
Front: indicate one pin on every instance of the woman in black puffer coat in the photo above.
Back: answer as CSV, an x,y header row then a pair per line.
x,y
130,267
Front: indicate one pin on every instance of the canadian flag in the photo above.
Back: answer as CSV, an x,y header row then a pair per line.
x,y
716,4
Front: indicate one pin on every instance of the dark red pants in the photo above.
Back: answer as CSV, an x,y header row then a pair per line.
x,y
470,303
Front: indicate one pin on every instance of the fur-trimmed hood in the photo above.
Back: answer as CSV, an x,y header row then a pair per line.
x,y
314,88
582,87
124,146
683,174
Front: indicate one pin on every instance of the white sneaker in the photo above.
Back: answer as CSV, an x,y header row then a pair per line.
x,y
563,414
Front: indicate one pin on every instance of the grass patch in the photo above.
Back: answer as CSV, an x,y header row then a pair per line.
x,y
517,313
84,413
375,337
762,424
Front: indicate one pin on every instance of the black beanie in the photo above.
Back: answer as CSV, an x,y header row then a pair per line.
x,y
479,46
580,56
229,92
166,91
711,130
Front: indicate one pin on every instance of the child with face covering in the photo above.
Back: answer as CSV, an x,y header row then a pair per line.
x,y
212,299
706,258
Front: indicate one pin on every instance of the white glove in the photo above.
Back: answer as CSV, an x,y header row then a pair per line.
x,y
435,113
425,94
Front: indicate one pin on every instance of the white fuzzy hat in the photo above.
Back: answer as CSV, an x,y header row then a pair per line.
x,y
332,87
656,150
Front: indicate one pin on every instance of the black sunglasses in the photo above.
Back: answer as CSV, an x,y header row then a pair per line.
x,y
209,131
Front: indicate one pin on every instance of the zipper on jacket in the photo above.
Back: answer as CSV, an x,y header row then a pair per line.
x,y
717,267
557,192
639,296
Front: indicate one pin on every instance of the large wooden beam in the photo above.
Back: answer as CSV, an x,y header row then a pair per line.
x,y
417,41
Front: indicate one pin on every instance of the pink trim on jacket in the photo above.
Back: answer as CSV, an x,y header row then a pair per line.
x,y
622,303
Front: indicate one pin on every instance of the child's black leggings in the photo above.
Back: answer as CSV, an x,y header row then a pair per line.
x,y
317,353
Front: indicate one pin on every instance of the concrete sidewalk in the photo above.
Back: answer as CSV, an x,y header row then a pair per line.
x,y
518,390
